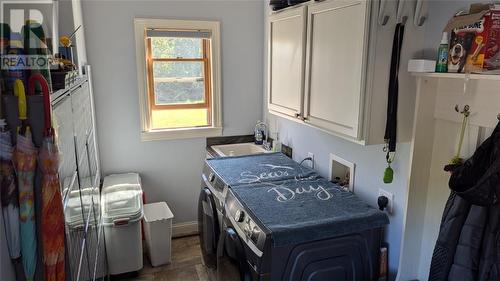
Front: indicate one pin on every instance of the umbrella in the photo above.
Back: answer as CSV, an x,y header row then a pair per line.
x,y
9,193
24,159
52,205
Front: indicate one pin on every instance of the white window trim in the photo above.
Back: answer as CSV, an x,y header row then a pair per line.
x,y
148,134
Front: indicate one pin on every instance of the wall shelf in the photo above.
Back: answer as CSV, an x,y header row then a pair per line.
x,y
435,136
456,76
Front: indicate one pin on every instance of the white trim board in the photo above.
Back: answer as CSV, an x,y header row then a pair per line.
x,y
147,133
184,229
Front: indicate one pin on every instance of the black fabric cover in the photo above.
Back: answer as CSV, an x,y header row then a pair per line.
x,y
293,201
468,245
269,167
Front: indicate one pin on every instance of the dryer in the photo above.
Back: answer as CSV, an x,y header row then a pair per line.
x,y
213,193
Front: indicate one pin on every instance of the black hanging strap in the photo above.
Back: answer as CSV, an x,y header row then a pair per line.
x,y
392,100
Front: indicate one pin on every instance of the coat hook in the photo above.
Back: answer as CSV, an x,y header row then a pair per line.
x,y
465,111
400,18
383,18
419,19
384,21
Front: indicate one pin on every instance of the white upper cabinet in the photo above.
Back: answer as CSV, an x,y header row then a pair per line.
x,y
335,75
329,67
287,31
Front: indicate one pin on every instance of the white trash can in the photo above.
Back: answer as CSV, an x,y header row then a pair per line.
x,y
158,231
122,211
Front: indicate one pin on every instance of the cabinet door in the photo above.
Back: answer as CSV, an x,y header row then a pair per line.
x,y
287,34
337,40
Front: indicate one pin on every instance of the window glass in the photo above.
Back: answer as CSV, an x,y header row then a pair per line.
x,y
178,69
164,47
178,82
179,93
179,118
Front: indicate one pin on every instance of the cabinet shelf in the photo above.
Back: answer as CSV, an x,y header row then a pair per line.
x,y
457,76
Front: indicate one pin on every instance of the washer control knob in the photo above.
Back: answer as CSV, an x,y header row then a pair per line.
x,y
239,216
255,233
255,230
211,177
247,231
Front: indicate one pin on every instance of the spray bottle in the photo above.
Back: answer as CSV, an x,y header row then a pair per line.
x,y
442,57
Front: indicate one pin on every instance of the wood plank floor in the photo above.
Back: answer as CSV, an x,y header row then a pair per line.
x,y
186,264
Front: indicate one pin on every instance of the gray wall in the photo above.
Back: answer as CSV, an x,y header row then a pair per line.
x,y
170,170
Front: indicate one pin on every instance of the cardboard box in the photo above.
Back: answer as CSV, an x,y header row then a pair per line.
x,y
476,46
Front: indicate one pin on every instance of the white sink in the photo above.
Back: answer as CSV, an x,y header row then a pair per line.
x,y
238,149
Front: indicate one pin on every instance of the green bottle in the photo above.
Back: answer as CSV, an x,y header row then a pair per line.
x,y
442,57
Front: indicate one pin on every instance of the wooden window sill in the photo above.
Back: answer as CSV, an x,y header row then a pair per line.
x,y
182,133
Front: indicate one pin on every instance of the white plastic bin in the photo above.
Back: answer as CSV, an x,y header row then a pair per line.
x,y
122,211
158,231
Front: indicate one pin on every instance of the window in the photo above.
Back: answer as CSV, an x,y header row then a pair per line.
x,y
179,78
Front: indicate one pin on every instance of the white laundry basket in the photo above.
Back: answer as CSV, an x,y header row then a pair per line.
x,y
122,211
158,231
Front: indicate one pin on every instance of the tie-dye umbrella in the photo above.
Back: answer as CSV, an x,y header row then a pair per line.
x,y
9,194
24,159
52,205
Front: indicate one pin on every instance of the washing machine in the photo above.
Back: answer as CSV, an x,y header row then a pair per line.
x,y
250,251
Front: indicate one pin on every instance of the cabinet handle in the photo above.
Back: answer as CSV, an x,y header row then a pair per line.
x,y
300,116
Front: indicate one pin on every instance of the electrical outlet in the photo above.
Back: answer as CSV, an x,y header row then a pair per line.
x,y
310,164
390,196
287,150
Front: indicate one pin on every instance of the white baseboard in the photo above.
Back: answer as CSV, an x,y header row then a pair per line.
x,y
185,229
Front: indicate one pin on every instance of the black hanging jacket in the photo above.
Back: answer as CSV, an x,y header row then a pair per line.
x,y
468,244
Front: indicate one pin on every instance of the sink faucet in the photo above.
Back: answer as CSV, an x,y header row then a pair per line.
x,y
261,136
260,133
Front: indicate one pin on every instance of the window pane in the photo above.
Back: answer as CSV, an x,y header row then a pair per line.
x,y
177,69
179,118
178,83
164,47
179,92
